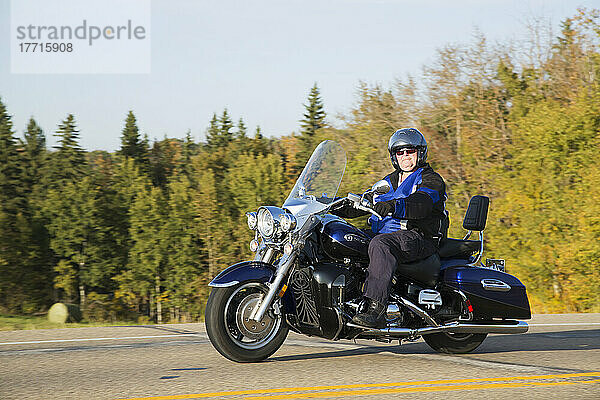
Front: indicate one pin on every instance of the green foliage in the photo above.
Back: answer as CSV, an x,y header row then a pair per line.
x,y
67,164
79,233
183,244
314,117
33,156
143,227
132,145
148,254
66,279
15,227
253,181
313,121
219,133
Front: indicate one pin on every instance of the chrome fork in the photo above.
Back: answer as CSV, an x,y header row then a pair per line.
x,y
285,262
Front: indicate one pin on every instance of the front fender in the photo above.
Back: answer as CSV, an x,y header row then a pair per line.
x,y
243,272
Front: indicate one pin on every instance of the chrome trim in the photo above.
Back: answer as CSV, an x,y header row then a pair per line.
x,y
393,313
519,327
475,259
421,313
381,187
430,297
275,214
453,327
226,284
287,222
495,285
469,313
251,216
267,257
285,262
258,256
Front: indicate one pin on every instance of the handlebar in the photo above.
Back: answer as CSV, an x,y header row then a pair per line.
x,y
360,203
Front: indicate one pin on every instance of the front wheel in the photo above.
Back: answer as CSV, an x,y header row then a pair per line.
x,y
454,343
233,333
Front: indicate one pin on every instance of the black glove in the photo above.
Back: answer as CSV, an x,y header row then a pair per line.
x,y
384,208
369,197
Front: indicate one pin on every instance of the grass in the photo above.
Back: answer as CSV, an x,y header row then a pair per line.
x,y
20,322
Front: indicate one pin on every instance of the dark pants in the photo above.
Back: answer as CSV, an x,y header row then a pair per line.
x,y
386,251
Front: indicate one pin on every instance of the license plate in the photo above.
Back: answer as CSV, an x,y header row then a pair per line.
x,y
497,264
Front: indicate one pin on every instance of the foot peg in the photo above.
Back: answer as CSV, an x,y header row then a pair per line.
x,y
430,298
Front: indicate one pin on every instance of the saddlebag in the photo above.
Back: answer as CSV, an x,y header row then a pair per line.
x,y
493,294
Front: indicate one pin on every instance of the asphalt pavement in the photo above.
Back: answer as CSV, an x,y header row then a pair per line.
x,y
558,358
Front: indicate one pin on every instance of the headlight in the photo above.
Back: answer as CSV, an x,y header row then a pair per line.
x,y
266,223
252,220
288,222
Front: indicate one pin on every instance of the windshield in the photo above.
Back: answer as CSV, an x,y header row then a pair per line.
x,y
318,183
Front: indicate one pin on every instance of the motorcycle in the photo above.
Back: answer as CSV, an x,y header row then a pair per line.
x,y
310,265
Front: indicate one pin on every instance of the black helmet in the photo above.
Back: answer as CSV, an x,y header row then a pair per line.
x,y
408,137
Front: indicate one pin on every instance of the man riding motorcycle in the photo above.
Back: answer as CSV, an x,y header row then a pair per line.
x,y
413,221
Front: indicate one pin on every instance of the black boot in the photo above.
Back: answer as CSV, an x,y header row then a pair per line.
x,y
371,314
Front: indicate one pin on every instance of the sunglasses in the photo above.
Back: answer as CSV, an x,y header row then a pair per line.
x,y
401,152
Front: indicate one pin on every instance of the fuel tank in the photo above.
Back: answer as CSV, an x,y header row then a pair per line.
x,y
341,240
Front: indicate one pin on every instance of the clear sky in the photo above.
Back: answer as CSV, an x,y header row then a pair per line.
x,y
259,59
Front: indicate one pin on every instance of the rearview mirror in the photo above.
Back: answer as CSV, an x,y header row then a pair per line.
x,y
381,187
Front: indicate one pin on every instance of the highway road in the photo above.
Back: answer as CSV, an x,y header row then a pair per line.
x,y
558,358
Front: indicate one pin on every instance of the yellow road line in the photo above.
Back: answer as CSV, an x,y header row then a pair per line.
x,y
363,385
371,392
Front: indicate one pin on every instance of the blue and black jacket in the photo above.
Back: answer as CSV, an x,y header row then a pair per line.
x,y
419,199
419,202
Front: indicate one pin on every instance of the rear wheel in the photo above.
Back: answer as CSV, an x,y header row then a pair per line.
x,y
454,343
233,333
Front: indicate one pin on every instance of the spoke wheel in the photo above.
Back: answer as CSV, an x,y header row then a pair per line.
x,y
233,333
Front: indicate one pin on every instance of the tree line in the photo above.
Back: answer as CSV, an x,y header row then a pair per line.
x,y
138,233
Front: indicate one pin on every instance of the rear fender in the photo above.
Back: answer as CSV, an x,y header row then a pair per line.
x,y
245,271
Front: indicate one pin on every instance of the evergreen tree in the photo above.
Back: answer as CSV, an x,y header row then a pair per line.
x,y
131,143
185,159
76,230
67,163
253,181
216,210
11,199
213,133
225,127
259,144
219,133
129,184
143,279
13,226
34,157
314,119
183,247
241,130
164,161
34,152
39,261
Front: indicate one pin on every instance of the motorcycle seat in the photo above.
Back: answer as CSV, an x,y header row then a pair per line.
x,y
423,271
457,248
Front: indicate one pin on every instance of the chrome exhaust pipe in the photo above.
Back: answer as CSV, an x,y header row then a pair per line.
x,y
392,331
508,327
453,327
